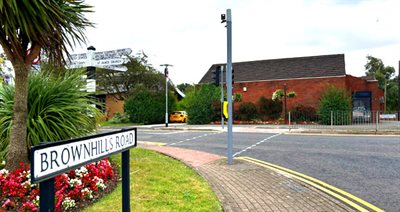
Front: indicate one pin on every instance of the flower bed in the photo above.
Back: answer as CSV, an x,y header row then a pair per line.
x,y
73,190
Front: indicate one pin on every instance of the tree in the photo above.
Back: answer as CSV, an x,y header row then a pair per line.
x,y
148,107
50,97
392,94
382,73
377,69
199,104
139,76
184,87
335,100
53,26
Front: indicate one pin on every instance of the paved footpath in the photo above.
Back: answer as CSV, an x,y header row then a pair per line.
x,y
247,186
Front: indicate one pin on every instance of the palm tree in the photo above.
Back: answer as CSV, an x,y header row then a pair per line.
x,y
26,28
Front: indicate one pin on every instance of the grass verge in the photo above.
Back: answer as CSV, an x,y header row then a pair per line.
x,y
160,183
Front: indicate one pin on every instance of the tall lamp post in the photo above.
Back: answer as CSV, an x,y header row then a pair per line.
x,y
398,94
166,92
227,18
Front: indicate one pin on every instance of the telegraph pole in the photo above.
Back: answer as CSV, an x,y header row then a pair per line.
x,y
166,92
228,71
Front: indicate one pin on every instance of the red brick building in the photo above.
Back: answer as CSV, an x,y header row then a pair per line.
x,y
306,76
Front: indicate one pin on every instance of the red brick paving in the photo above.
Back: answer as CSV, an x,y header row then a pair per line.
x,y
245,186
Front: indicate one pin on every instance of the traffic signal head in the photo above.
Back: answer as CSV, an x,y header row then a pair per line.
x,y
233,76
216,75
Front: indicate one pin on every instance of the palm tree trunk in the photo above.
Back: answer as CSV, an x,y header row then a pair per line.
x,y
17,149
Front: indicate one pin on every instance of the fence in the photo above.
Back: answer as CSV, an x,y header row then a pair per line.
x,y
346,120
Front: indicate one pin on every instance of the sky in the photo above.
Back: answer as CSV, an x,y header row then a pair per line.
x,y
189,34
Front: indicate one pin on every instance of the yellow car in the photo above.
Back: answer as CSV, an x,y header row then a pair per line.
x,y
178,116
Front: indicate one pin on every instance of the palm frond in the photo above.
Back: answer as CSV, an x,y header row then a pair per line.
x,y
58,109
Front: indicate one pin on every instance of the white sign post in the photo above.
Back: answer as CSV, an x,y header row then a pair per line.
x,y
112,60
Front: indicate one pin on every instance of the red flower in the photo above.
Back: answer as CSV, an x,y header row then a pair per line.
x,y
19,194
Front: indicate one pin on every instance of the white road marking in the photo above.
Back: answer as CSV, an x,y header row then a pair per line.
x,y
254,145
194,138
165,133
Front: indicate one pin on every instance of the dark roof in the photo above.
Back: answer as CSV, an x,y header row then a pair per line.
x,y
287,68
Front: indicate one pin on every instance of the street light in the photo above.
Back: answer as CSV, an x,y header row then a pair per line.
x,y
227,18
166,92
398,94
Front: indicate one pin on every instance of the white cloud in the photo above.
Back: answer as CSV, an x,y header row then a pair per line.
x,y
189,35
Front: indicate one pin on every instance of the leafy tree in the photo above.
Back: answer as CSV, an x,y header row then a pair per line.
x,y
377,69
185,87
392,95
58,109
336,100
148,107
139,76
199,103
53,26
383,74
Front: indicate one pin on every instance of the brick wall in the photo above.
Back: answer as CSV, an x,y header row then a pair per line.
x,y
113,106
355,84
308,90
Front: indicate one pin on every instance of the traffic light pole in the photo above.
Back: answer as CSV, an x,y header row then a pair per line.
x,y
398,95
166,96
222,96
229,83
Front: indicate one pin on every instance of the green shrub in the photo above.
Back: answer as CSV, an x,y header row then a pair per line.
x,y
199,104
336,100
247,111
58,109
269,109
216,108
303,113
119,118
148,107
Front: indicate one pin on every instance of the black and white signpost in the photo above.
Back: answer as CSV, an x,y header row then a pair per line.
x,y
112,60
51,159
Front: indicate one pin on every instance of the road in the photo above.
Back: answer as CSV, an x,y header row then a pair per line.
x,y
365,166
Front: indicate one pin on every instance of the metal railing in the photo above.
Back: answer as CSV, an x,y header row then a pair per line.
x,y
345,120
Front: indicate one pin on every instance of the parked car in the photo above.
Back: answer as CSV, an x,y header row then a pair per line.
x,y
178,116
361,115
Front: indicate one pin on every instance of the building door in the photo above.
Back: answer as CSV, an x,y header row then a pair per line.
x,y
362,100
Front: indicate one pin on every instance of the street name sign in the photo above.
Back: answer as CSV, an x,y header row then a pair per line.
x,y
54,158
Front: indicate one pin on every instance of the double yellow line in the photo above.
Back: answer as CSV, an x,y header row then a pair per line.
x,y
347,198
